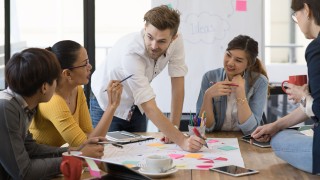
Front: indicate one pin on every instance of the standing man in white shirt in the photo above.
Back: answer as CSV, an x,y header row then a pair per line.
x,y
145,54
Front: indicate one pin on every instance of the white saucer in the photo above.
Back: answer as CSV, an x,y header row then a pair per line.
x,y
157,175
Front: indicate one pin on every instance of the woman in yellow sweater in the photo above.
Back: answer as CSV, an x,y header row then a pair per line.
x,y
65,118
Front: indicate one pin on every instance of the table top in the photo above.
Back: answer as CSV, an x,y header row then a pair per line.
x,y
262,159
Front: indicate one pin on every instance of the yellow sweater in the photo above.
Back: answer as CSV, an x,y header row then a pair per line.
x,y
54,124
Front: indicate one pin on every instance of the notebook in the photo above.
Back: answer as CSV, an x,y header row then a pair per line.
x,y
124,137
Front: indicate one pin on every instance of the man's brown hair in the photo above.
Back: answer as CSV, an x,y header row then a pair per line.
x,y
163,17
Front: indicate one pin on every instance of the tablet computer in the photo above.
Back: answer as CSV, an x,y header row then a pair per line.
x,y
257,143
233,170
124,137
120,172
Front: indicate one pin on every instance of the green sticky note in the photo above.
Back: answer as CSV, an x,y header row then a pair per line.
x,y
227,148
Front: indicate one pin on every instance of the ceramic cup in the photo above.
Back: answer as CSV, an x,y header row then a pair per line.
x,y
71,166
201,130
158,163
298,80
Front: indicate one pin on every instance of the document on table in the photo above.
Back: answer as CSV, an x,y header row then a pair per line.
x,y
221,152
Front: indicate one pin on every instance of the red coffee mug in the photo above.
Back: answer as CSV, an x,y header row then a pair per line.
x,y
298,80
71,167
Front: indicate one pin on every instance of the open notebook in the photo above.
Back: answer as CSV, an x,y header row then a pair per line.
x,y
124,137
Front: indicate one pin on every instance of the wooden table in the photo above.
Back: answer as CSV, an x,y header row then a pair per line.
x,y
261,159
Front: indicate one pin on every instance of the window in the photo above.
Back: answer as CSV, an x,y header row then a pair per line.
x,y
42,23
115,19
284,43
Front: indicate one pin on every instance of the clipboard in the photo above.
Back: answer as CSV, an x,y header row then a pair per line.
x,y
125,137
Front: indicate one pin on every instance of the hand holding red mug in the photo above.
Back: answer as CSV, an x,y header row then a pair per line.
x,y
298,80
296,93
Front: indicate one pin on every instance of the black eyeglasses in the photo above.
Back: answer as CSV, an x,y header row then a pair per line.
x,y
294,16
85,65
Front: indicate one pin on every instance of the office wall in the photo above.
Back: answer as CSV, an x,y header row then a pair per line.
x,y
207,26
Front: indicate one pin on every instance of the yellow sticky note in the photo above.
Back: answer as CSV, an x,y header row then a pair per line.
x,y
193,155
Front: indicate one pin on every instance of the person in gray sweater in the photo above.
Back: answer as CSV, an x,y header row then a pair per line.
x,y
31,77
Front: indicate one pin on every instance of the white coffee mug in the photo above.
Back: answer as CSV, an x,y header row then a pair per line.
x,y
158,163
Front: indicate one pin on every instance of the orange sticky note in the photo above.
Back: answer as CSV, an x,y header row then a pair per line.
x,y
193,155
155,145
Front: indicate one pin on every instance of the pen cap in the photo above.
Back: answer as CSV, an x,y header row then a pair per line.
x,y
201,130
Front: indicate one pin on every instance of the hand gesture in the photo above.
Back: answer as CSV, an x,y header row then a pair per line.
x,y
219,89
91,148
114,90
239,81
166,140
295,92
192,143
265,132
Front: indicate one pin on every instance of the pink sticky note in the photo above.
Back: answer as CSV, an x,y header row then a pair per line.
x,y
241,5
204,166
176,156
213,141
221,159
209,161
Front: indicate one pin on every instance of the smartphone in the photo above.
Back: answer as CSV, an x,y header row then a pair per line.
x,y
257,143
234,170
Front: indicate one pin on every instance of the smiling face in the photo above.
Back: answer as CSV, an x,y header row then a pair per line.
x,y
81,69
156,41
235,62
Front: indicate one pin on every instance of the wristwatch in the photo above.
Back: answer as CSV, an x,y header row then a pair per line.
x,y
303,101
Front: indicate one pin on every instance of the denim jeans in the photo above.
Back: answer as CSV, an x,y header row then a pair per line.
x,y
294,148
138,122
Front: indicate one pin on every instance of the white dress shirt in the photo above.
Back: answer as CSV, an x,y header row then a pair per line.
x,y
129,56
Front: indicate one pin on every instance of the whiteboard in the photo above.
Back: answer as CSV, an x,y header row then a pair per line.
x,y
207,26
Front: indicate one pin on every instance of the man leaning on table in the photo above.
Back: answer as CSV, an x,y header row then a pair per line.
x,y
145,54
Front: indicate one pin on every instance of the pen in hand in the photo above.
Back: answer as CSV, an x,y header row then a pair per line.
x,y
196,132
122,80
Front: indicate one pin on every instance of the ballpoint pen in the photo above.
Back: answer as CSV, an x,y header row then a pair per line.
x,y
112,143
196,132
123,80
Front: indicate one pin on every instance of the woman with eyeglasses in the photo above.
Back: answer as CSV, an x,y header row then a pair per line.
x,y
65,118
31,77
299,150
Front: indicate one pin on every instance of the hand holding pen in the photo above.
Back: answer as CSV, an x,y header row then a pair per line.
x,y
221,88
114,91
90,147
196,132
122,80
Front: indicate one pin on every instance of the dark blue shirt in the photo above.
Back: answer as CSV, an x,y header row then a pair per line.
x,y
313,62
